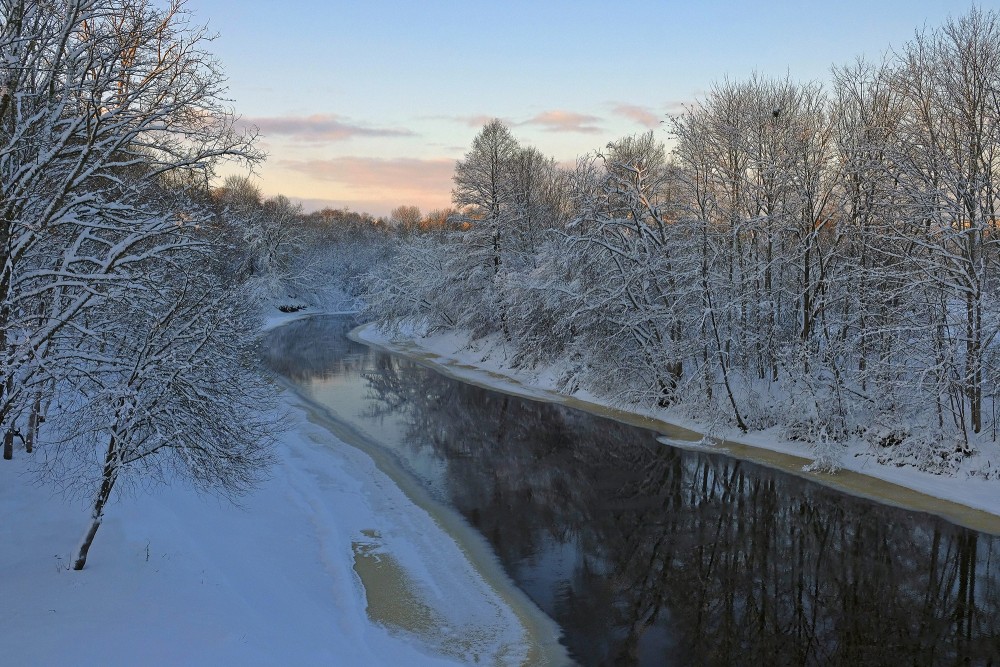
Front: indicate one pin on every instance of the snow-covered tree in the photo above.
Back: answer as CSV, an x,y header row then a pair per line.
x,y
169,388
406,219
949,79
824,260
639,288
112,119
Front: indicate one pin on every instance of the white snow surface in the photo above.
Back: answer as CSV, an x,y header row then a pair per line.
x,y
485,362
181,578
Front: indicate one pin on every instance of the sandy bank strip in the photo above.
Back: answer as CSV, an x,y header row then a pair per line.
x,y
426,572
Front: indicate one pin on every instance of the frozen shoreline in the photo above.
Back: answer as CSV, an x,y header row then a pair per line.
x,y
329,561
964,499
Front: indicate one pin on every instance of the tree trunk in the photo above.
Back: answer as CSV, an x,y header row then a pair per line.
x,y
34,421
974,363
108,479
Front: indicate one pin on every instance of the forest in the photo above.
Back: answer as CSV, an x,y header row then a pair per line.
x,y
818,258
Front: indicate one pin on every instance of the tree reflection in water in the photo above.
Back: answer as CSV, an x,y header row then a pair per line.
x,y
647,554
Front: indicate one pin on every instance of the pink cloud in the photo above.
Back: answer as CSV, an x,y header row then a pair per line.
x,y
322,127
379,173
641,115
565,121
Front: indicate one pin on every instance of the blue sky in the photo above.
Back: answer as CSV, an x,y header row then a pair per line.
x,y
368,104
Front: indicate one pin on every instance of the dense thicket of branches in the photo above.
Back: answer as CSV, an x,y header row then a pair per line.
x,y
824,259
125,331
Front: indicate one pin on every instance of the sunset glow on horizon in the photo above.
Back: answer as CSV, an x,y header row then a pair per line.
x,y
368,105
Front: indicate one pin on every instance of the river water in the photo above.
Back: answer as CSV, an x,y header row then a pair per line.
x,y
652,555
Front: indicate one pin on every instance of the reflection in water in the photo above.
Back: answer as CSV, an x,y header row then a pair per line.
x,y
646,554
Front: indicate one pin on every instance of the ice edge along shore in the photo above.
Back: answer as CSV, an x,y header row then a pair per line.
x,y
970,502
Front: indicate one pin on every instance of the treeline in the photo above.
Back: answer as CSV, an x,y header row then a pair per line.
x,y
820,258
295,259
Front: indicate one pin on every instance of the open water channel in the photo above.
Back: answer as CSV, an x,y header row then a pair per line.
x,y
648,554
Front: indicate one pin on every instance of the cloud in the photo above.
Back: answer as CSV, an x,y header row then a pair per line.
x,y
641,115
319,127
565,121
371,173
376,185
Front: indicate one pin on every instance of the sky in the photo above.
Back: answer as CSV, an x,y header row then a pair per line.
x,y
367,104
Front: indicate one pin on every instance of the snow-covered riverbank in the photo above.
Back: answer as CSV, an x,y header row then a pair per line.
x,y
326,563
966,498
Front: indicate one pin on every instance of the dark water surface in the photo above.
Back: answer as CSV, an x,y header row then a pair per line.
x,y
646,554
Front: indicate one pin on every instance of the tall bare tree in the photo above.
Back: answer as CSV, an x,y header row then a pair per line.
x,y
950,82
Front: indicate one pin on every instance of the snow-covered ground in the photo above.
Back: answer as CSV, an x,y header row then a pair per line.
x,y
327,563
966,498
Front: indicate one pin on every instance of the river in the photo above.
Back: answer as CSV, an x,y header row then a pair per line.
x,y
648,554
